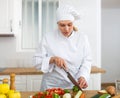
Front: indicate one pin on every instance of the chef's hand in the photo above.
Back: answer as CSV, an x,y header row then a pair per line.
x,y
82,82
58,61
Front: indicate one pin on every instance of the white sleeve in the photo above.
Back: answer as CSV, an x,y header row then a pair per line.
x,y
41,58
85,68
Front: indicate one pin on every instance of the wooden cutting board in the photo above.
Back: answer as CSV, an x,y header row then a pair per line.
x,y
116,96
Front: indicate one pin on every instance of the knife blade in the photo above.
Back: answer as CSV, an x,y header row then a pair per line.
x,y
72,79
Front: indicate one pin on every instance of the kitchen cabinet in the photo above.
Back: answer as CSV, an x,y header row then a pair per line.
x,y
20,82
6,17
26,82
94,83
33,82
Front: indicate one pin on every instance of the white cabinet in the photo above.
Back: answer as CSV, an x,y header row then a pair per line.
x,y
33,82
20,82
6,13
95,82
26,82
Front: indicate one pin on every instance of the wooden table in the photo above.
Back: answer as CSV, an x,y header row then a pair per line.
x,y
89,93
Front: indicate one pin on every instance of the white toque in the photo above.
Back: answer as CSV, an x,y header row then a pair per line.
x,y
67,12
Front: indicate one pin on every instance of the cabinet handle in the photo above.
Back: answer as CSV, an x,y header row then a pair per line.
x,y
20,23
11,29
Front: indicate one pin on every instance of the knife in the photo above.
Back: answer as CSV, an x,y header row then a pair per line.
x,y
72,79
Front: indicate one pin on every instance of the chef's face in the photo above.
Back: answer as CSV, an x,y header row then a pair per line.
x,y
66,27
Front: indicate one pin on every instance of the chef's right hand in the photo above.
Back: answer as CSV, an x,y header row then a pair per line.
x,y
58,61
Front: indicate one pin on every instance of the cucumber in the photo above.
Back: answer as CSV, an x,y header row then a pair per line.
x,y
78,94
105,96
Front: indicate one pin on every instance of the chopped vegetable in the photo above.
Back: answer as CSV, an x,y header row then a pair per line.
x,y
96,96
67,95
66,90
56,95
75,89
78,94
105,96
102,92
82,95
50,93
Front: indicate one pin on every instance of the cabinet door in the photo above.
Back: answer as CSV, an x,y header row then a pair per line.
x,y
20,82
6,16
95,82
33,82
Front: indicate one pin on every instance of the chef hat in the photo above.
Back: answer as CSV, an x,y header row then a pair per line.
x,y
67,12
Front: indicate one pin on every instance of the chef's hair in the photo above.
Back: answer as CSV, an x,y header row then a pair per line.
x,y
75,28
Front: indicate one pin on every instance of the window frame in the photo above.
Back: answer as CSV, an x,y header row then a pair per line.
x,y
18,25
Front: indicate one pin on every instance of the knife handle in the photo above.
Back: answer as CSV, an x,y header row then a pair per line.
x,y
66,70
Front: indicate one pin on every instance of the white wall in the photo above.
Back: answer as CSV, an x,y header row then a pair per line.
x,y
8,55
111,43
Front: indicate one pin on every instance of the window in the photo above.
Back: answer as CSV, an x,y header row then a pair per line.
x,y
37,17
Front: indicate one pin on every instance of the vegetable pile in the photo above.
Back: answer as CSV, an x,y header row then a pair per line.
x,y
108,92
60,93
50,93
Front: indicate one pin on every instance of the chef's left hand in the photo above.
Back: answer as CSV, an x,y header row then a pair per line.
x,y
82,82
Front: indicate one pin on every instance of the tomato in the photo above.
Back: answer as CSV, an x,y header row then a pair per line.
x,y
59,91
62,92
48,96
49,93
38,95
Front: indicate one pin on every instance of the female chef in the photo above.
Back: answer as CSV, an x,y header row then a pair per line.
x,y
64,48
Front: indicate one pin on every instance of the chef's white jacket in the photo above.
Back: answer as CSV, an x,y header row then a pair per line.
x,y
75,50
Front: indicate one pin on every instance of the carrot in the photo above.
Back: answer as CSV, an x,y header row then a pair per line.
x,y
82,95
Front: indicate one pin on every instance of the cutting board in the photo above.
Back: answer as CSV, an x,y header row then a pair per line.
x,y
116,96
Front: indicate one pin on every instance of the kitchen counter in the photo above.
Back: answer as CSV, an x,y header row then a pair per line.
x,y
33,71
89,93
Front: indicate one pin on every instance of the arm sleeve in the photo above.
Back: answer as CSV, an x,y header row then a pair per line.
x,y
85,68
41,58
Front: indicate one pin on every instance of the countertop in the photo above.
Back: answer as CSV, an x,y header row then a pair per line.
x,y
33,71
88,93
